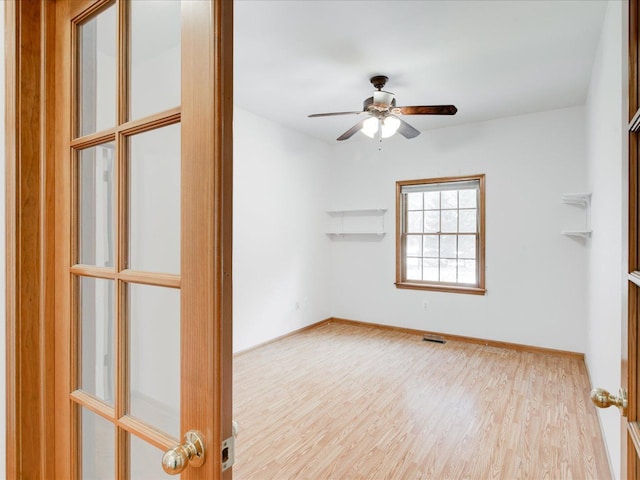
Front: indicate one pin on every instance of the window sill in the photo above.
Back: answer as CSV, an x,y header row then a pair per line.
x,y
442,288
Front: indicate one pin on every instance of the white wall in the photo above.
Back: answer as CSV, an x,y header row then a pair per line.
x,y
535,276
280,253
607,179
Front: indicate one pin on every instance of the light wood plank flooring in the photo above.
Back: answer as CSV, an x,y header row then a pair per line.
x,y
349,402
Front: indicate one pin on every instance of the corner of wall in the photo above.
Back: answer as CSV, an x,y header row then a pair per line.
x,y
281,254
606,169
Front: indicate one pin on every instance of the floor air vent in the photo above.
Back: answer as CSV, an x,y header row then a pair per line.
x,y
433,338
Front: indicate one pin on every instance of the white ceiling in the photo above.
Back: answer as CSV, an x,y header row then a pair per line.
x,y
490,58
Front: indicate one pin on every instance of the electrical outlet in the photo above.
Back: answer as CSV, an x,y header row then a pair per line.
x,y
425,305
297,305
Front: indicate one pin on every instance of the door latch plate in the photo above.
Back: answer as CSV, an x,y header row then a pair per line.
x,y
228,453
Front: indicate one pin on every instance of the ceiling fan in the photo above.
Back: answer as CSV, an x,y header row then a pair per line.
x,y
382,114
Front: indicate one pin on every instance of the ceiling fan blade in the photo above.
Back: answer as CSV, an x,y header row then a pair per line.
x,y
333,113
428,110
352,131
406,130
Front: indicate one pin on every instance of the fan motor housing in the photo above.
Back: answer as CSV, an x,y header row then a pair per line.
x,y
368,104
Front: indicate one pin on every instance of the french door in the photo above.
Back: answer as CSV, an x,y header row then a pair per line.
x,y
142,151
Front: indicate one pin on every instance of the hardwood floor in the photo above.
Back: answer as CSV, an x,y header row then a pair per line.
x,y
349,402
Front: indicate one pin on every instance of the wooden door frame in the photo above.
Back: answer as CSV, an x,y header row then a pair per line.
x,y
29,217
31,447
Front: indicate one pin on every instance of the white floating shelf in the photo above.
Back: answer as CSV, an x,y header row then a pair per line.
x,y
342,234
363,211
577,233
581,200
356,222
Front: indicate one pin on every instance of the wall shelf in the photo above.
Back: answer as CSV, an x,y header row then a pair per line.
x,y
577,233
357,222
342,234
363,211
582,200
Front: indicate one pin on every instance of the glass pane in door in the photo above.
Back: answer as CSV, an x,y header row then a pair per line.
x,y
98,447
96,199
97,345
154,200
154,356
155,57
145,462
96,106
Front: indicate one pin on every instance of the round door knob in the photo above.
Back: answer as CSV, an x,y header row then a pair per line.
x,y
191,452
603,399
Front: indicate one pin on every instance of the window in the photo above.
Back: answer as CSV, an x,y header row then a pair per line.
x,y
440,234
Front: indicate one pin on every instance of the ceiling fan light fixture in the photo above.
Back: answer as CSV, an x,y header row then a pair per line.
x,y
381,111
370,127
390,126
382,98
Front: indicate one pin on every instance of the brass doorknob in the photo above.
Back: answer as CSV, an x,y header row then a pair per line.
x,y
191,452
603,399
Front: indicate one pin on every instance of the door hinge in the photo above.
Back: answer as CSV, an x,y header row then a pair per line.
x,y
228,452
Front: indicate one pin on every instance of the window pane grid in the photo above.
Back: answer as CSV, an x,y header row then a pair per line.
x,y
436,209
102,354
457,262
446,224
